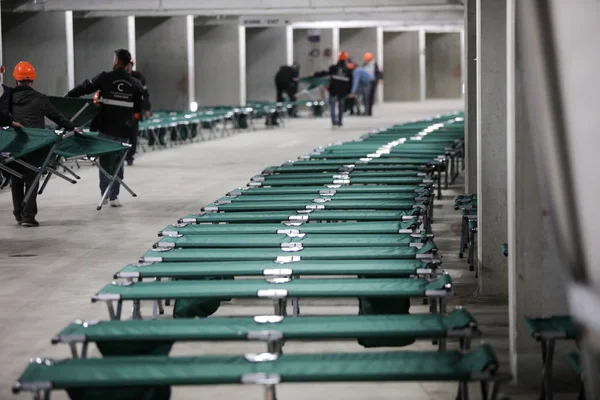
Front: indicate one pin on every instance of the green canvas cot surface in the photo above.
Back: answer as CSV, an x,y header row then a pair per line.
x,y
302,169
338,175
127,372
322,198
80,111
196,270
361,160
271,181
557,327
272,254
279,240
327,204
88,145
317,215
330,189
332,227
20,142
299,288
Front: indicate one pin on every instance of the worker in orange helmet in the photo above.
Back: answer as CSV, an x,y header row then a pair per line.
x,y
30,108
370,65
340,81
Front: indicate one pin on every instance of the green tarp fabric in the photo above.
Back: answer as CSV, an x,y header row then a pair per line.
x,y
332,227
127,337
196,270
88,145
21,142
161,371
69,107
307,240
270,254
301,288
330,204
559,326
318,215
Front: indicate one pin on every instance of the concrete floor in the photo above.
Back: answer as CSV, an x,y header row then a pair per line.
x,y
49,273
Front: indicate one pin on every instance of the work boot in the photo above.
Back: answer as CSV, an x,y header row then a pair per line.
x,y
130,162
115,203
29,222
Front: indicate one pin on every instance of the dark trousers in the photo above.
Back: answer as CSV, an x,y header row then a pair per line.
x,y
289,90
111,163
19,188
133,141
336,109
369,110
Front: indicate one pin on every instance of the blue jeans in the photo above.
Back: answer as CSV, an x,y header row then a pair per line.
x,y
365,91
110,163
336,109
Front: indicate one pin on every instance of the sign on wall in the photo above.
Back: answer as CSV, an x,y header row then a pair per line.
x,y
263,21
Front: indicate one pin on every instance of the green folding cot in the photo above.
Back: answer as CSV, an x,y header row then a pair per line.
x,y
316,198
376,160
340,180
340,167
325,204
301,216
79,111
156,337
201,270
278,290
294,251
152,376
30,150
546,331
339,175
331,190
297,241
290,228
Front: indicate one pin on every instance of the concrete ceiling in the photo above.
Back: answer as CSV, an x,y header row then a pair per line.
x,y
408,12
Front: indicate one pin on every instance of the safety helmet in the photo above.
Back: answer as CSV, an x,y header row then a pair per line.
x,y
24,71
351,65
343,56
368,56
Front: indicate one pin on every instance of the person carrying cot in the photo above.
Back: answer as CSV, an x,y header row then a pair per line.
x,y
372,68
286,81
339,87
30,107
146,108
362,82
121,98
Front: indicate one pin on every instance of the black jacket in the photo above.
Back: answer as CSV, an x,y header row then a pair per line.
x,y
286,77
123,97
30,107
340,79
146,104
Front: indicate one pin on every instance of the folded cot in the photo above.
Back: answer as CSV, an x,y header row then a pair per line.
x,y
140,377
403,227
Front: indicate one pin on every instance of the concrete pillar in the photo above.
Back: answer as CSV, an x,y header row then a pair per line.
x,y
45,48
357,41
95,41
422,67
380,60
443,65
191,61
162,58
491,141
335,42
242,63
536,280
217,82
470,76
310,63
265,53
402,65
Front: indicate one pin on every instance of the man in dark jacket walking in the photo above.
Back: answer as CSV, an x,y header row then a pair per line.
x,y
146,108
286,81
340,84
121,99
30,108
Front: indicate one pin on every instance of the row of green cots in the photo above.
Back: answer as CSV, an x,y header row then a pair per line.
x,y
349,220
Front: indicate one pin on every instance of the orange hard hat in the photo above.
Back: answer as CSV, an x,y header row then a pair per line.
x,y
24,71
343,56
368,56
351,65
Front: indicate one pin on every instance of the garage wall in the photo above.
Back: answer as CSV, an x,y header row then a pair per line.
x,y
217,65
401,66
95,40
357,41
161,53
443,65
265,53
46,48
302,49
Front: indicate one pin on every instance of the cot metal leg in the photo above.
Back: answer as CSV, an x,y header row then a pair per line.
x,y
155,309
113,178
275,346
112,313
136,312
270,392
84,350
281,307
73,348
296,306
463,390
547,359
167,302
463,241
484,390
